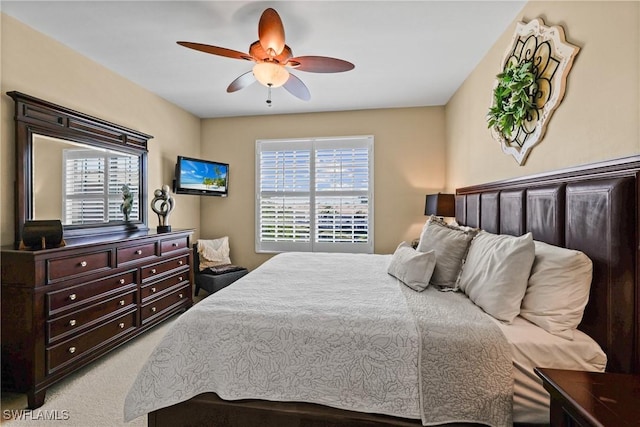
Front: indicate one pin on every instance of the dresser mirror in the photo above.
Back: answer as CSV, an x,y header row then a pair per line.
x,y
81,184
78,168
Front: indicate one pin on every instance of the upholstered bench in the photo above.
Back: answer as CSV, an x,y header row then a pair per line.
x,y
212,280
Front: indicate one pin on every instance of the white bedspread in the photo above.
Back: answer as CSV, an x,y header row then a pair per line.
x,y
333,329
465,361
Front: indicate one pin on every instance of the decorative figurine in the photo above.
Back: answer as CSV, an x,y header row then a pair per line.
x,y
127,202
162,204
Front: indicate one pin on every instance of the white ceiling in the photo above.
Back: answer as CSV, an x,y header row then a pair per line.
x,y
406,54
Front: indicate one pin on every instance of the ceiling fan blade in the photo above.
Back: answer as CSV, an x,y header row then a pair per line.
x,y
320,64
241,82
271,31
296,88
215,50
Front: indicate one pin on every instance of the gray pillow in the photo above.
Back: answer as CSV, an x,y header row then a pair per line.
x,y
411,267
496,273
450,244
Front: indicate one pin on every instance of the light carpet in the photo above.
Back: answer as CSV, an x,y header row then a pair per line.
x,y
92,396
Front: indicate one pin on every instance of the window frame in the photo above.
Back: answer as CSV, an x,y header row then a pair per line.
x,y
313,145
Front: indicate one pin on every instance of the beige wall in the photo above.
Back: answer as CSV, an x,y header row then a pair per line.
x,y
599,118
39,66
409,163
417,150
47,176
409,143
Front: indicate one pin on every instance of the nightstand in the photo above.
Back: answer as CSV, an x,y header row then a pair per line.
x,y
584,399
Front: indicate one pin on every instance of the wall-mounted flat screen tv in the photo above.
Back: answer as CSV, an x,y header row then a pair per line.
x,y
201,177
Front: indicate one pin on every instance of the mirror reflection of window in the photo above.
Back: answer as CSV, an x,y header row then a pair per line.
x,y
93,180
79,184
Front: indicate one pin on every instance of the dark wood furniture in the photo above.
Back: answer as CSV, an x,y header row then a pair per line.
x,y
63,308
592,208
35,117
595,399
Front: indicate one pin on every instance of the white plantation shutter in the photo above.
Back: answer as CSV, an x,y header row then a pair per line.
x,y
123,169
315,195
87,174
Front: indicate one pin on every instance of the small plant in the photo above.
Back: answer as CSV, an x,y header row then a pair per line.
x,y
512,97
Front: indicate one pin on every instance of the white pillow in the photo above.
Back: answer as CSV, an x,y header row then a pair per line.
x,y
411,267
450,244
213,252
558,289
496,272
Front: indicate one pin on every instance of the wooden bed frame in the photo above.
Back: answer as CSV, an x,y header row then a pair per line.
x,y
592,208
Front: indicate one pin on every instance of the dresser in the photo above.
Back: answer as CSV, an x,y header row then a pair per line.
x,y
586,399
63,308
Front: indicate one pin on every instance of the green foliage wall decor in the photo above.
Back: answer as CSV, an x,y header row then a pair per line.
x,y
530,87
512,97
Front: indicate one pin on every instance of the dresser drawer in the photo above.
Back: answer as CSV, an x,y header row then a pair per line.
x,y
135,253
155,270
62,268
86,293
154,289
88,317
159,306
168,246
62,354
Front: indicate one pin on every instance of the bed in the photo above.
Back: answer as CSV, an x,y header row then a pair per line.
x,y
593,209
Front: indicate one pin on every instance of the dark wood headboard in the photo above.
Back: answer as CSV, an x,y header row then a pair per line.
x,y
591,208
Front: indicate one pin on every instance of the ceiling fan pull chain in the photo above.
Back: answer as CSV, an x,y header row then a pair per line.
x,y
269,96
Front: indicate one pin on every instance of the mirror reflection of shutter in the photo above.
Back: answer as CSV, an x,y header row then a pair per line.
x,y
92,186
84,183
122,169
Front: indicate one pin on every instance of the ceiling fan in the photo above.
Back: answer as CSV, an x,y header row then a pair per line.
x,y
273,58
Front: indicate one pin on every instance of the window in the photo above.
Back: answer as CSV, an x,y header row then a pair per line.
x,y
315,195
92,186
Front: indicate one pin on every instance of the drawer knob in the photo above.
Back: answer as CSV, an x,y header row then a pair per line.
x,y
153,271
72,350
180,296
121,302
121,281
175,245
83,263
153,309
180,262
72,322
121,325
153,289
138,252
72,297
180,279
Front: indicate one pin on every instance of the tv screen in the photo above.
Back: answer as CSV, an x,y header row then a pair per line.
x,y
201,177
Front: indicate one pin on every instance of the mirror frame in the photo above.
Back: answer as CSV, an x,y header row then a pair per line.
x,y
36,116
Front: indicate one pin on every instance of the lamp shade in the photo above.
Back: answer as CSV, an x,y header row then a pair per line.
x,y
440,205
270,74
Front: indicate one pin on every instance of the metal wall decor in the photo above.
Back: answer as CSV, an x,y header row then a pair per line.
x,y
551,58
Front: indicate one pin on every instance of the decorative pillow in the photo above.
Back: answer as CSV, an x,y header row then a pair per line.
x,y
558,289
496,272
213,252
411,267
450,244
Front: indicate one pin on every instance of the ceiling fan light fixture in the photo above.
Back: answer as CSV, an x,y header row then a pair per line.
x,y
270,74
